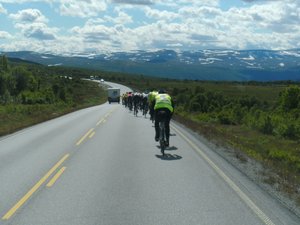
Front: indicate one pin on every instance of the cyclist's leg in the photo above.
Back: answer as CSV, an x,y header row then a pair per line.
x,y
151,112
167,125
134,107
156,124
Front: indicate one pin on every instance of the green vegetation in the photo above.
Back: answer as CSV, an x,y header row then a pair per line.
x,y
30,94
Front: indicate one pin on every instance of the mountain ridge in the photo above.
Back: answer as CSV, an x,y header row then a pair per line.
x,y
209,64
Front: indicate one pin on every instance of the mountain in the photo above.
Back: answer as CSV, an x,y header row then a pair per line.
x,y
229,65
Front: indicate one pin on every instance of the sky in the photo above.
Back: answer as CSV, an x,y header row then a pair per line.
x,y
101,26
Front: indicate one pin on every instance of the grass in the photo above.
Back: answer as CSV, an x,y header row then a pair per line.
x,y
15,117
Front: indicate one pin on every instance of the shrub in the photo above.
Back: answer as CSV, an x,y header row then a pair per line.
x,y
278,155
225,117
290,98
287,130
266,125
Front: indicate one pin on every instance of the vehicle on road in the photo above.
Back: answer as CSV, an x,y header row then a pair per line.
x,y
113,95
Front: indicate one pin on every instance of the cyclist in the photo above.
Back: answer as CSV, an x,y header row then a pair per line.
x,y
163,107
144,103
136,101
129,100
151,100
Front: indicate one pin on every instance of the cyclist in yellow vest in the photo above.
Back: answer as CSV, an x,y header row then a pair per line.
x,y
151,99
163,108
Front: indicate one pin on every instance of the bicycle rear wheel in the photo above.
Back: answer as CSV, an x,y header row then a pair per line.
x,y
162,141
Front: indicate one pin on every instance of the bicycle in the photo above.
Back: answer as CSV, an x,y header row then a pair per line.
x,y
162,132
145,110
135,110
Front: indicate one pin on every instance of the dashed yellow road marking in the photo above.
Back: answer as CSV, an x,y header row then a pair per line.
x,y
92,134
33,189
56,176
99,122
84,136
264,218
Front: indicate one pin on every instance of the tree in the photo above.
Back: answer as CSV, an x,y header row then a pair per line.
x,y
4,63
24,80
290,98
2,84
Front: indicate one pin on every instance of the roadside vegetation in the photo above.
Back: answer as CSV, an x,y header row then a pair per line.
x,y
258,120
31,93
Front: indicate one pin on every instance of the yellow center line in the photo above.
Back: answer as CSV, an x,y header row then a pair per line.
x,y
100,121
92,134
84,136
56,176
106,116
264,218
33,189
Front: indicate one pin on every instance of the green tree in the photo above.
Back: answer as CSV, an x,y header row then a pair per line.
x,y
2,84
24,80
290,98
4,63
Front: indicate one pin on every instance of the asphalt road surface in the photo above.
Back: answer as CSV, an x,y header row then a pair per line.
x,y
101,165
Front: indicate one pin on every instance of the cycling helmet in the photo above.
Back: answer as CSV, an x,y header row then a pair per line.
x,y
162,91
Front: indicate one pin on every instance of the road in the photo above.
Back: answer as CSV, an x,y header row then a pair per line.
x,y
101,165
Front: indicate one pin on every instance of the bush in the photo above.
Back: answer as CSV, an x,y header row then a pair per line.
x,y
266,125
287,130
30,98
225,117
278,155
290,98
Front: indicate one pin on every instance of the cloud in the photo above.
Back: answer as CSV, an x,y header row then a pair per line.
x,y
152,24
38,31
121,18
2,9
161,14
82,8
32,24
261,0
94,33
134,2
29,16
4,35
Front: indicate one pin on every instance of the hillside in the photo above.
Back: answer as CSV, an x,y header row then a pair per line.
x,y
217,65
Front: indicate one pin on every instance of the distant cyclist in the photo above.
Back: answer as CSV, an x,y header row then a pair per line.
x,y
136,101
145,103
130,100
163,107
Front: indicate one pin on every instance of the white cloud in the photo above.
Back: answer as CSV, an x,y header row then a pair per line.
x,y
160,14
134,2
4,35
2,9
38,31
32,24
121,25
29,16
122,18
82,8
